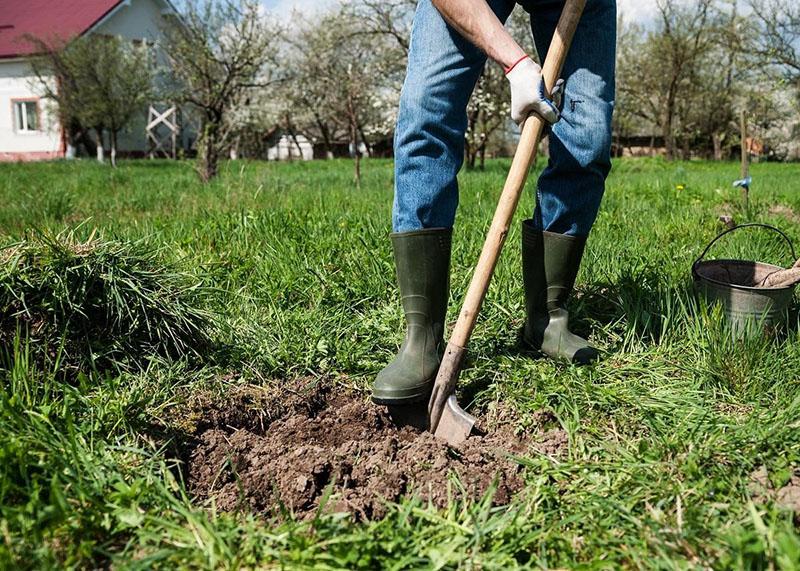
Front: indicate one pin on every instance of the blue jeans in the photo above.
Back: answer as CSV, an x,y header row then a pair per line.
x,y
443,68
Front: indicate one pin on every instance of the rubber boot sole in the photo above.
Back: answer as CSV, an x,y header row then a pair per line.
x,y
409,396
584,356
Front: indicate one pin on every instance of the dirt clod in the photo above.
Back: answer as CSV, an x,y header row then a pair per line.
x,y
786,497
333,447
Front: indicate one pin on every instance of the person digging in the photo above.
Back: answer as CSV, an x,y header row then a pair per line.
x,y
450,41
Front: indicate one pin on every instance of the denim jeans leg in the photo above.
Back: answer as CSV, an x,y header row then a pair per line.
x,y
443,68
571,187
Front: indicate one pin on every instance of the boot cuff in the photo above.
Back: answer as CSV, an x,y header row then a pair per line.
x,y
531,235
420,240
423,232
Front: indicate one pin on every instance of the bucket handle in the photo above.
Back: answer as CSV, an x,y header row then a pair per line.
x,y
751,224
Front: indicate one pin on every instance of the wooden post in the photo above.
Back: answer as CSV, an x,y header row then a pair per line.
x,y
745,161
162,143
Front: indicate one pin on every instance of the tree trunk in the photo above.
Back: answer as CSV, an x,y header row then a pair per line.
x,y
365,141
354,139
686,152
358,167
470,148
114,149
326,136
208,152
669,118
293,135
480,151
666,131
234,150
544,149
471,154
101,154
73,138
745,172
716,140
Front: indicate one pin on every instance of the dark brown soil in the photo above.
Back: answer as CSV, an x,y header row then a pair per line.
x,y
320,440
762,491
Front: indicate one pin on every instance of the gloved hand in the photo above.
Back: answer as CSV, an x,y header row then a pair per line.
x,y
527,92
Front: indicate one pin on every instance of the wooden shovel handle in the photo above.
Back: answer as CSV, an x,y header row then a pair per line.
x,y
524,156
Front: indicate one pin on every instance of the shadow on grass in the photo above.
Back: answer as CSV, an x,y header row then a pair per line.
x,y
159,164
644,305
639,306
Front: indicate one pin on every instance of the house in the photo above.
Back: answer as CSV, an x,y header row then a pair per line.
x,y
29,130
285,146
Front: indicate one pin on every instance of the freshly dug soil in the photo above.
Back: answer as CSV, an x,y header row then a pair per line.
x,y
320,439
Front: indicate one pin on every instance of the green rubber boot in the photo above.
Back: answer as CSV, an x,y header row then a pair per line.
x,y
550,264
422,259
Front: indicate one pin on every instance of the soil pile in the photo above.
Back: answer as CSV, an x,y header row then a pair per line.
x,y
326,439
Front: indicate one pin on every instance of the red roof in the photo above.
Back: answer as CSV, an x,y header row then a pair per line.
x,y
49,20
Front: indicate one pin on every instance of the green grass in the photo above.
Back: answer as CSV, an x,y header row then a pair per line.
x,y
664,433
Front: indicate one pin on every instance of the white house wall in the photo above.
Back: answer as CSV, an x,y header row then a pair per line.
x,y
17,81
135,19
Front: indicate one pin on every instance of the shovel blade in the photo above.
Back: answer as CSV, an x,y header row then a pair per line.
x,y
455,424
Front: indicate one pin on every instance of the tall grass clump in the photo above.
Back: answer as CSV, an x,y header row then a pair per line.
x,y
97,303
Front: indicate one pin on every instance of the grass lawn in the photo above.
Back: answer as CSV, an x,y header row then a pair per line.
x,y
684,446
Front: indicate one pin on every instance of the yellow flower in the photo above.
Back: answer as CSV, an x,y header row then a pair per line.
x,y
679,187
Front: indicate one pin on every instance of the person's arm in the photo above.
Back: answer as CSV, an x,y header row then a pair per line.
x,y
475,21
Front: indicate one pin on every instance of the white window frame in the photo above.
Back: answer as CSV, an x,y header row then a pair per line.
x,y
23,102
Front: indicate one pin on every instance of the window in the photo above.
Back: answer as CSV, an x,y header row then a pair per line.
x,y
26,116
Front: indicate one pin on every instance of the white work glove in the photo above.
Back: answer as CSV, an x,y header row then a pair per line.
x,y
527,93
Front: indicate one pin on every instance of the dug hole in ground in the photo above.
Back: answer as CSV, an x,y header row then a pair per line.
x,y
310,442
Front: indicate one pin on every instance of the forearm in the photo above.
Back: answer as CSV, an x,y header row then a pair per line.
x,y
475,20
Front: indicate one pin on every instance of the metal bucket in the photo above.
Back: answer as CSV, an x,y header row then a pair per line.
x,y
748,307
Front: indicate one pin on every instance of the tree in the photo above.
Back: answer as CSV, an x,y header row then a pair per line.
x,y
342,88
97,82
219,53
681,77
692,82
637,108
779,35
55,74
386,18
682,38
117,82
388,23
306,94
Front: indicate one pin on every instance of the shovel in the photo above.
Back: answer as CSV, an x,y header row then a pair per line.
x,y
446,419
